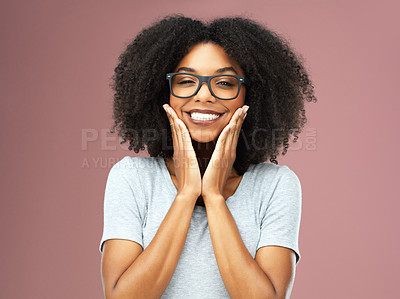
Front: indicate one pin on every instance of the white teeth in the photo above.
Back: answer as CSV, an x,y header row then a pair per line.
x,y
203,116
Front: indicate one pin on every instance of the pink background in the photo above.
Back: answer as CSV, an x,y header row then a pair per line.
x,y
57,58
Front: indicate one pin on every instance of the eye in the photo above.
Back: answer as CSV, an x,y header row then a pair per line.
x,y
186,81
226,83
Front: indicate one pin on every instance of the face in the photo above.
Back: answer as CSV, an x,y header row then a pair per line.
x,y
207,59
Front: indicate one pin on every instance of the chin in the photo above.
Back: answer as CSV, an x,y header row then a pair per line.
x,y
203,137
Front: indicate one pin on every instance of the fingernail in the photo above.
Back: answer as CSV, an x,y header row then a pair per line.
x,y
245,109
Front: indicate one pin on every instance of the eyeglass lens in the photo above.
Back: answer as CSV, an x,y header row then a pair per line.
x,y
224,87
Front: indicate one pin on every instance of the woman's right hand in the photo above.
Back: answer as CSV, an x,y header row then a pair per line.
x,y
186,166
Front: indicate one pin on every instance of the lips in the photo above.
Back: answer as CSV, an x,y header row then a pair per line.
x,y
205,111
203,122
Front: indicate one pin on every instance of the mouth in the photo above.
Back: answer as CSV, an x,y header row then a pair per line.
x,y
203,119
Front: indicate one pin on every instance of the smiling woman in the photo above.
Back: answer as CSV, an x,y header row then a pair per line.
x,y
206,59
205,217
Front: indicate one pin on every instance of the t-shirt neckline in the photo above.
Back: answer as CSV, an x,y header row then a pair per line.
x,y
174,191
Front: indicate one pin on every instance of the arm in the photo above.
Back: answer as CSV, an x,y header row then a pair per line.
x,y
129,273
272,272
270,275
126,271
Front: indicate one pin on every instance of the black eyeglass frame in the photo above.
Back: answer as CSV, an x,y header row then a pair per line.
x,y
207,79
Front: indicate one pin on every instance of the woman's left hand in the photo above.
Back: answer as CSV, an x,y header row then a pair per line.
x,y
220,166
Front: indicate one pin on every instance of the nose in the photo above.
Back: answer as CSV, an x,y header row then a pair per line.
x,y
204,93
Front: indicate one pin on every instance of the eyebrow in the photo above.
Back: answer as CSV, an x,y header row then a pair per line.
x,y
219,71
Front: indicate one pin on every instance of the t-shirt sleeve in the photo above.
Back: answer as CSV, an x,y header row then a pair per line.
x,y
123,204
280,220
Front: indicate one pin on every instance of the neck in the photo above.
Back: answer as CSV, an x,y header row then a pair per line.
x,y
203,152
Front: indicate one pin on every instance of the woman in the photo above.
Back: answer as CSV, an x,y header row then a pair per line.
x,y
204,216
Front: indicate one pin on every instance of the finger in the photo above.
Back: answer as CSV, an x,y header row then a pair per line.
x,y
170,121
186,142
222,138
180,128
165,106
234,127
239,121
186,151
218,153
174,130
185,134
239,126
177,153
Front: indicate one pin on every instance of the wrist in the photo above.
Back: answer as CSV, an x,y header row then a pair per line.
x,y
187,196
213,198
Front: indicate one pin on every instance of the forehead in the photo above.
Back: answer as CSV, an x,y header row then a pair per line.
x,y
206,58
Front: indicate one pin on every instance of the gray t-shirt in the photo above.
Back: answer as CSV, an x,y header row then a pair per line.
x,y
266,207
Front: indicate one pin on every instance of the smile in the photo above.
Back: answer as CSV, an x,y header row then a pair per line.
x,y
203,119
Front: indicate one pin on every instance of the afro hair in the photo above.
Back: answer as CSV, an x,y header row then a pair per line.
x,y
280,85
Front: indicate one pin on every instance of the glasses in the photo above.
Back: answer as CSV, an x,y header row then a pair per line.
x,y
223,87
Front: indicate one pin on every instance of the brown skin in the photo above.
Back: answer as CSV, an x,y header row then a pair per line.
x,y
128,271
206,59
271,273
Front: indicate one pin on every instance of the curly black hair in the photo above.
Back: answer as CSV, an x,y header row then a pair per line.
x,y
280,84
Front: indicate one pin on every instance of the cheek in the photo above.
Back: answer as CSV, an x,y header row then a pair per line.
x,y
242,97
177,106
235,106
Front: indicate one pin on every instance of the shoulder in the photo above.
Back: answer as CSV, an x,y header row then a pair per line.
x,y
276,181
131,177
272,171
129,164
132,169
